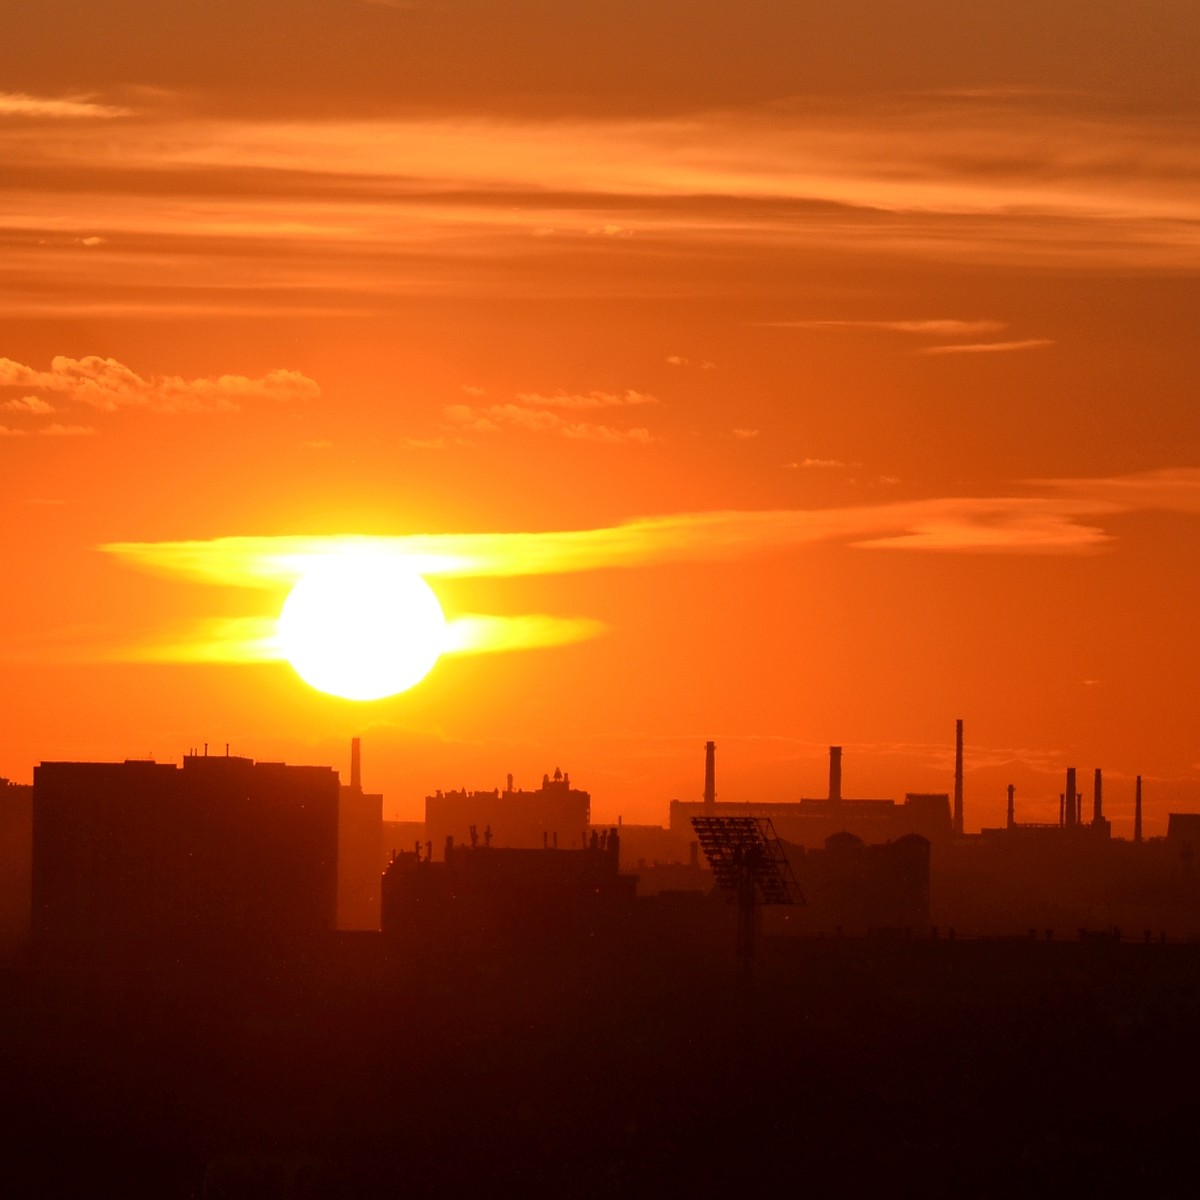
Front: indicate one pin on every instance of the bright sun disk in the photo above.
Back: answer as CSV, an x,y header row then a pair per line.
x,y
361,626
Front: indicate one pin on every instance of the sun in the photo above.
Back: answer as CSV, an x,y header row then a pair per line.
x,y
361,626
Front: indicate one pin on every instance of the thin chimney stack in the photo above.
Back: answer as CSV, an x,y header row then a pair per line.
x,y
958,776
835,773
1072,800
1137,811
1012,815
710,773
1097,801
356,764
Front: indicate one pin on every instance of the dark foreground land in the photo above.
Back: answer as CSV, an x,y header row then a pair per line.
x,y
912,1068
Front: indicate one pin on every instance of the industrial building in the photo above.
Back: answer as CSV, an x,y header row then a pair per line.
x,y
810,822
556,814
480,893
139,860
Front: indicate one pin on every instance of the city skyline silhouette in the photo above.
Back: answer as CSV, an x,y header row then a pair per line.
x,y
599,597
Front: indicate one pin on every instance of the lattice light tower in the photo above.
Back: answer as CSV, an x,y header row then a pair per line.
x,y
750,865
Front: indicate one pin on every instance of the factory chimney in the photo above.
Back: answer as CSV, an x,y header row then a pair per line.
x,y
1071,808
1012,816
1097,801
835,773
356,764
1137,811
958,778
710,773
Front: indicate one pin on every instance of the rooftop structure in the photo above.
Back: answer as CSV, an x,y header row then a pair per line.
x,y
556,814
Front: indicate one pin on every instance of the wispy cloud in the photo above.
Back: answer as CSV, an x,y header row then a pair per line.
x,y
1014,179
933,327
53,430
1005,524
586,399
819,464
107,385
1066,517
58,430
554,414
20,104
28,404
987,347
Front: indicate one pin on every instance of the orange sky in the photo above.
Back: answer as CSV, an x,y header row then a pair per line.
x,y
906,293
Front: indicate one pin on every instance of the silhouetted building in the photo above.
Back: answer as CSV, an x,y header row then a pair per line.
x,y
134,860
360,833
478,893
555,815
16,865
853,888
809,822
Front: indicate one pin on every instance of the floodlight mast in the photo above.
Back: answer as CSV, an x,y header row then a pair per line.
x,y
750,865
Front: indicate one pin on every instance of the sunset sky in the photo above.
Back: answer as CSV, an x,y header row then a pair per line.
x,y
849,352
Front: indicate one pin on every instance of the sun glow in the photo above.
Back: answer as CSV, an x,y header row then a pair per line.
x,y
361,626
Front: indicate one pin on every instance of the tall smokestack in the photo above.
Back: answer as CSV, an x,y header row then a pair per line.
x,y
1012,812
1137,811
1097,800
710,772
835,772
356,764
1071,803
958,778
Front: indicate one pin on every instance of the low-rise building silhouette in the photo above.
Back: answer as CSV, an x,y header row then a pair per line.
x,y
481,893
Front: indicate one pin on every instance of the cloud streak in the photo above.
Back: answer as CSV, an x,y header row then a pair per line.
x,y
21,104
538,414
106,385
1012,524
987,347
1019,180
934,327
1067,517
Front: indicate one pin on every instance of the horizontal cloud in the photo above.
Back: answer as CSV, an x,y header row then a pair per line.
x,y
256,640
19,104
1060,520
52,430
1008,524
108,385
586,399
28,404
1016,179
987,347
494,417
936,327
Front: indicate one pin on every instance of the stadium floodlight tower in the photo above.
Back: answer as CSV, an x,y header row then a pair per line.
x,y
750,866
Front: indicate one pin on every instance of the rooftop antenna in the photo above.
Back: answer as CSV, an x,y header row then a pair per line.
x,y
751,867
